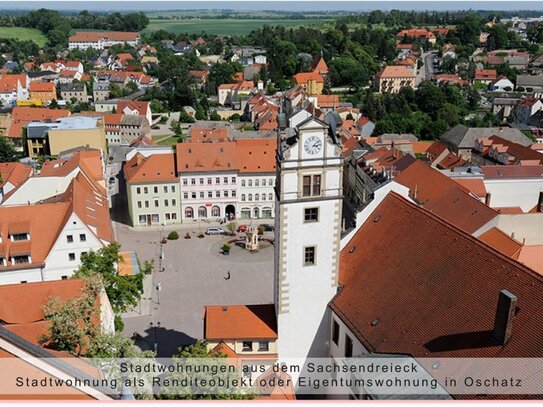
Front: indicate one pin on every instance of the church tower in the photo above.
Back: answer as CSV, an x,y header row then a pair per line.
x,y
307,238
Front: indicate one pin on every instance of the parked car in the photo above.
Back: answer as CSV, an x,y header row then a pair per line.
x,y
268,228
242,228
215,231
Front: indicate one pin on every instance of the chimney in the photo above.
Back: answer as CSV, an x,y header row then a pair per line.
x,y
505,312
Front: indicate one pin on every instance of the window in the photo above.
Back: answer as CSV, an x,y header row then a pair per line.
x,y
270,183
209,181
167,216
189,213
82,237
242,182
139,204
156,203
215,211
312,185
174,216
243,197
17,237
225,194
193,181
174,202
173,188
70,238
348,346
145,190
146,204
311,214
225,180
155,190
257,197
233,193
263,197
210,194
263,346
201,181
154,218
217,180
166,189
335,332
64,278
250,182
185,181
20,259
309,256
202,212
142,219
250,197
257,183
138,190
247,346
233,180
185,195
166,203
193,194
71,256
264,182
270,196
217,194
201,194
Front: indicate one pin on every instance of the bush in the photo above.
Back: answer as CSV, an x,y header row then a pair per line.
x,y
226,247
201,235
119,324
173,235
148,266
231,227
260,229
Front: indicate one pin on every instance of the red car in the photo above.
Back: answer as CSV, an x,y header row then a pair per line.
x,y
242,228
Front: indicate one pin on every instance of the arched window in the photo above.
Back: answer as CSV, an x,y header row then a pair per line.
x,y
189,213
202,212
256,213
250,197
264,182
256,182
263,197
257,196
250,182
215,211
242,197
270,196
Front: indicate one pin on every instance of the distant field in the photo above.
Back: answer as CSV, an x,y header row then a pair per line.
x,y
229,26
22,34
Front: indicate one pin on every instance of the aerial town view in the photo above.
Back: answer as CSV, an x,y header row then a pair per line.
x,y
271,201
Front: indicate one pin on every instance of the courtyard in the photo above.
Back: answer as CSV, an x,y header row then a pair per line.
x,y
195,274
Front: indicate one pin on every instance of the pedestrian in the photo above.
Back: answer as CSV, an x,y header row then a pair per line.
x,y
227,276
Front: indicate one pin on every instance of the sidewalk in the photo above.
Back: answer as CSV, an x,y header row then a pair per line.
x,y
147,300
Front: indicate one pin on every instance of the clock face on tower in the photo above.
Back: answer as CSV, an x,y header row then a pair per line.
x,y
313,145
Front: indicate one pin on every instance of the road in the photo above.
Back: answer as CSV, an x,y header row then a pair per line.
x,y
427,70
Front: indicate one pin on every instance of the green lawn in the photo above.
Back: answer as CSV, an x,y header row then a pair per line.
x,y
165,140
22,34
228,26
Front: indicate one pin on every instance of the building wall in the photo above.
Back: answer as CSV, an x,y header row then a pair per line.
x,y
257,196
197,187
147,203
524,193
61,140
393,85
43,97
59,264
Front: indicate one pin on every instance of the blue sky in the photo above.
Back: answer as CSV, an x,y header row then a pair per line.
x,y
274,5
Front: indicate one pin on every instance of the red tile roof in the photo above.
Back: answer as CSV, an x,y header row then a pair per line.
x,y
95,36
14,173
502,242
319,66
245,155
474,185
154,168
305,77
140,107
444,197
432,289
240,322
395,72
42,86
203,134
485,74
415,33
512,171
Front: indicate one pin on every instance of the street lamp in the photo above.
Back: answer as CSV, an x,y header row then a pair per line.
x,y
155,326
158,288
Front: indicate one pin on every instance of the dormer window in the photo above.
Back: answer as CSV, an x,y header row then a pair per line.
x,y
21,259
17,237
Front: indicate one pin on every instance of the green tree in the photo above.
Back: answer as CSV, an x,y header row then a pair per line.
x,y
7,151
198,354
215,116
123,291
